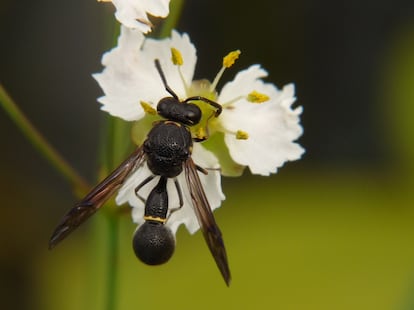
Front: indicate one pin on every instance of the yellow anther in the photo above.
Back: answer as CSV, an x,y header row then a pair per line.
x,y
104,0
176,57
257,97
148,108
201,134
230,58
242,135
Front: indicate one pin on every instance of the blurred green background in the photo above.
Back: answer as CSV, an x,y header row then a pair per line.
x,y
332,231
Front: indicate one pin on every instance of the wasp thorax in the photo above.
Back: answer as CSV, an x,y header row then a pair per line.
x,y
153,243
183,112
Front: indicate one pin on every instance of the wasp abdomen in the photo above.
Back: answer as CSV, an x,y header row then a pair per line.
x,y
154,242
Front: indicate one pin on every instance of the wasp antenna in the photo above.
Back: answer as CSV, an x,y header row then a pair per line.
x,y
164,80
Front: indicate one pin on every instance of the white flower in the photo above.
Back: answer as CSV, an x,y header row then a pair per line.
x,y
272,126
257,127
133,13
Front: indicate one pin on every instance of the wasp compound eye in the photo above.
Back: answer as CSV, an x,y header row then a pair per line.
x,y
153,243
192,114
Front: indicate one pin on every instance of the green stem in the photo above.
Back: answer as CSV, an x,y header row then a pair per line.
x,y
113,264
79,185
115,147
115,144
176,7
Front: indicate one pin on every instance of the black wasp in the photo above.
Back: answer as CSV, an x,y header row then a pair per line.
x,y
167,152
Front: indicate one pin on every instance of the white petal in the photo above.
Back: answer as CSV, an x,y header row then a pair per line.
x,y
272,126
211,185
161,49
242,83
133,13
158,8
130,75
185,215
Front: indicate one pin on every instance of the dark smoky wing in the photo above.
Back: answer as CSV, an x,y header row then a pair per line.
x,y
96,198
211,231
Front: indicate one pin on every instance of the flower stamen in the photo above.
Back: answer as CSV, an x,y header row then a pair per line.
x,y
230,58
229,104
253,97
239,134
201,134
256,97
242,135
228,61
177,59
148,108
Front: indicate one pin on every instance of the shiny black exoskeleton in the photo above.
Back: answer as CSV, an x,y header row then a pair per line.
x,y
153,242
167,146
167,152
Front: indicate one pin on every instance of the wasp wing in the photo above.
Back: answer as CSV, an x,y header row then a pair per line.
x,y
211,231
97,197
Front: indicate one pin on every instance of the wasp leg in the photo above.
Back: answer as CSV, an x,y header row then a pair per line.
x,y
180,198
141,185
214,104
203,170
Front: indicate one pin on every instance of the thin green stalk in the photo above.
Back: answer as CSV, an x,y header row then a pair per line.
x,y
116,146
113,264
39,142
114,150
176,7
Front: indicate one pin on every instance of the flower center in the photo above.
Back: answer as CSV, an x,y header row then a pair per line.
x,y
203,88
209,123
